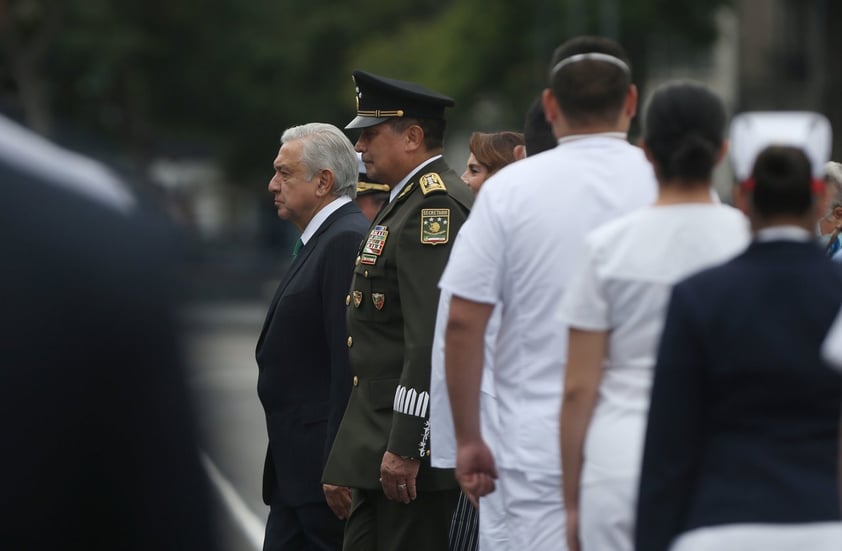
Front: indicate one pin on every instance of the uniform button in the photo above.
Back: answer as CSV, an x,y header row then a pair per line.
x,y
357,261
347,300
366,273
350,342
356,380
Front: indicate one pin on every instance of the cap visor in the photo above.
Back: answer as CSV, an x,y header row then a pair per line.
x,y
364,122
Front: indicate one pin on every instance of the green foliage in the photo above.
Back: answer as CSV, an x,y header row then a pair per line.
x,y
232,74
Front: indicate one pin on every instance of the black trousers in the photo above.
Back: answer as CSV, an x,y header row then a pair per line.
x,y
377,524
311,527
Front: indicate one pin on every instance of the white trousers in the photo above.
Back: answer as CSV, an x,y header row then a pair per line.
x,y
534,512
814,536
606,515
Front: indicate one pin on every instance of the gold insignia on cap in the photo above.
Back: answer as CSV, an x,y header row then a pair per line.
x,y
379,299
435,226
431,183
358,298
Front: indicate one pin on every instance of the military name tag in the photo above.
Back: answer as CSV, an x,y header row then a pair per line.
x,y
379,299
375,243
435,226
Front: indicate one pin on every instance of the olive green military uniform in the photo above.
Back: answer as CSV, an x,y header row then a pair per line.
x,y
392,307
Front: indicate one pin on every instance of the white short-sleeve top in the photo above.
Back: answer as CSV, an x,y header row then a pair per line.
x,y
622,285
525,232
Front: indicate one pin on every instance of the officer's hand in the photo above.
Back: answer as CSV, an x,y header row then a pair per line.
x,y
338,499
475,470
397,476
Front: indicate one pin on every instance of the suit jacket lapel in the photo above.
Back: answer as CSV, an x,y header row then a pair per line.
x,y
298,262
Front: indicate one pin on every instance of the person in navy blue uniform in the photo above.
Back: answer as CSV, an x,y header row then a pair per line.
x,y
98,434
304,378
742,443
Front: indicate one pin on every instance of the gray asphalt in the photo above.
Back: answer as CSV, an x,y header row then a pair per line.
x,y
220,340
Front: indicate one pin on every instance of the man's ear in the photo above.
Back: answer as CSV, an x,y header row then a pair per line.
x,y
324,186
630,107
414,136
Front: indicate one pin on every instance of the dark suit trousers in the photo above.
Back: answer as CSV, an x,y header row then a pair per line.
x,y
377,524
310,527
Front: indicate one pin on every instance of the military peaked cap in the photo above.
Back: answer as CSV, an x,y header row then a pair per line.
x,y
380,98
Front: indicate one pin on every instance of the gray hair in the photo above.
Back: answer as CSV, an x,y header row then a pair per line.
x,y
325,147
833,176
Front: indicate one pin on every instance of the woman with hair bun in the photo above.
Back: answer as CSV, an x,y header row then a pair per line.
x,y
614,308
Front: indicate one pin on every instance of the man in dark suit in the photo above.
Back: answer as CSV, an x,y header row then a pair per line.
x,y
741,446
304,376
382,448
99,447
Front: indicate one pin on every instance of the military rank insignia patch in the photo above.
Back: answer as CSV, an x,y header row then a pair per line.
x,y
379,299
435,226
431,183
374,245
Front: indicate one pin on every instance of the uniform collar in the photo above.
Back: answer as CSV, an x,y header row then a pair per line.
x,y
397,189
782,233
577,137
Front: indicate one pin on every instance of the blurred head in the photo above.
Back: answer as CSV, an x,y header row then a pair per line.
x,y
537,132
683,134
489,153
315,164
590,86
832,221
781,189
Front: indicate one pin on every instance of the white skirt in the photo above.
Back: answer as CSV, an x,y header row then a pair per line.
x,y
814,536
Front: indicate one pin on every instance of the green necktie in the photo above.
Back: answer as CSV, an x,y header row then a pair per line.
x,y
298,245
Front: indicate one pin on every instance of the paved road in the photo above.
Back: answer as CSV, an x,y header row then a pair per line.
x,y
220,340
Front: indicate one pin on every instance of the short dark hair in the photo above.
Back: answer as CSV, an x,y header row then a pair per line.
x,y
590,91
433,129
684,127
537,133
782,182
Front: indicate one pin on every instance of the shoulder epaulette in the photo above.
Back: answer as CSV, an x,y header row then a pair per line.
x,y
431,183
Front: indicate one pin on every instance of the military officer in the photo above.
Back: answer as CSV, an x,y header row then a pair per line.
x,y
382,449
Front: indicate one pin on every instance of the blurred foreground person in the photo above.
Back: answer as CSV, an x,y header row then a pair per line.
x,y
304,377
371,195
99,450
741,446
518,250
615,306
489,154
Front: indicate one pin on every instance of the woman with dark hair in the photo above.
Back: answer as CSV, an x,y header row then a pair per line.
x,y
741,448
490,153
614,308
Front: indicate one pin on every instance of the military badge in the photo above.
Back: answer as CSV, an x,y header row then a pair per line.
x,y
435,226
379,299
374,245
405,191
358,298
431,183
